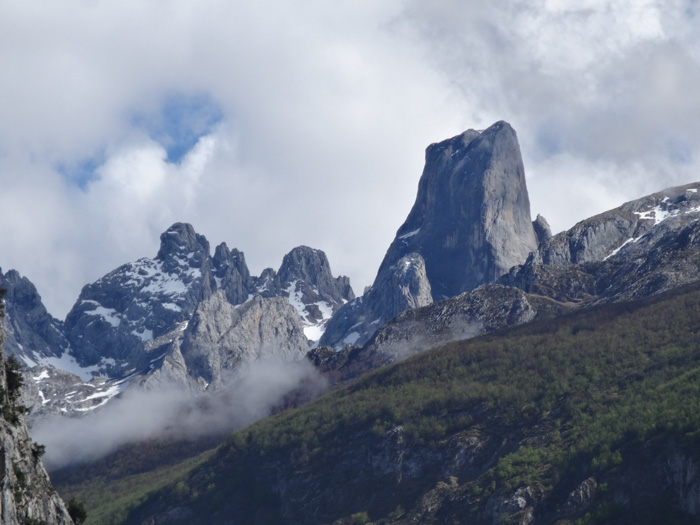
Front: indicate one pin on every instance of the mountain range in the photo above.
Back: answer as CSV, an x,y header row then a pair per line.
x,y
469,260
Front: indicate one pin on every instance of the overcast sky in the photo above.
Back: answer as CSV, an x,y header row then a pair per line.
x,y
273,124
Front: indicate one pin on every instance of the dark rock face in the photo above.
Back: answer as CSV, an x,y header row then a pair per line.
x,y
118,314
469,225
32,333
542,228
231,274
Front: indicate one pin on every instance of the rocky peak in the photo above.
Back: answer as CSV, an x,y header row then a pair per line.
x,y
34,334
181,243
542,229
311,266
231,274
469,225
305,263
471,219
305,278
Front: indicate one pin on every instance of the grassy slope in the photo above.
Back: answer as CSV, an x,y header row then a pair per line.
x,y
592,387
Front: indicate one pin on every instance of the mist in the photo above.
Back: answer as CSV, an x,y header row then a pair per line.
x,y
169,413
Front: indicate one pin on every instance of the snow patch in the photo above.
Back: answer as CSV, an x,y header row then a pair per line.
x,y
351,338
108,394
108,314
67,363
144,335
314,332
171,306
43,375
409,234
658,214
616,250
295,299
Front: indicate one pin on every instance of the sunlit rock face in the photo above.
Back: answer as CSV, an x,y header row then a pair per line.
x,y
469,225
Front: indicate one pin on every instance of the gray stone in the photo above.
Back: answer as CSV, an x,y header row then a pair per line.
x,y
542,229
25,489
470,224
223,338
32,333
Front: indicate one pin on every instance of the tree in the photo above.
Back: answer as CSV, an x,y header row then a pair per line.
x,y
77,511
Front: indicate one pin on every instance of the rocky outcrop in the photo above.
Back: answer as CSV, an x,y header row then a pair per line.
x,y
32,333
471,219
469,225
305,278
642,248
131,326
542,228
484,310
26,494
398,288
221,338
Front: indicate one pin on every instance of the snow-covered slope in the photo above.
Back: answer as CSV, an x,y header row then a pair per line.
x,y
130,323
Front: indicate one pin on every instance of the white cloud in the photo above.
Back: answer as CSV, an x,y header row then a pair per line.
x,y
326,110
138,415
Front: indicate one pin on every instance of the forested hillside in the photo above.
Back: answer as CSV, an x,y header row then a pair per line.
x,y
590,418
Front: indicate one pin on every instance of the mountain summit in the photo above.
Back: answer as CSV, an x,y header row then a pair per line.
x,y
469,225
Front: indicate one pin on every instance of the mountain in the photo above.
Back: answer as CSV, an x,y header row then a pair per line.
x,y
469,225
642,248
32,334
183,318
26,493
591,417
488,422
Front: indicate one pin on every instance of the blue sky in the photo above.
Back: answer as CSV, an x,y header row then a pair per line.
x,y
306,123
180,121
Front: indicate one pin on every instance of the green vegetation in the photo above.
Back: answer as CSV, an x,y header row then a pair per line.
x,y
77,511
109,489
107,500
11,408
602,377
573,397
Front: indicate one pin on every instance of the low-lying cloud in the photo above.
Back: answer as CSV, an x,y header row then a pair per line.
x,y
169,413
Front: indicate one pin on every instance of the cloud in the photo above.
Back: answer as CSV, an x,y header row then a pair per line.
x,y
306,123
139,415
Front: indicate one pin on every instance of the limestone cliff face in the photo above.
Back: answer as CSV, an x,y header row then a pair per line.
x,y
221,338
469,225
26,494
471,219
